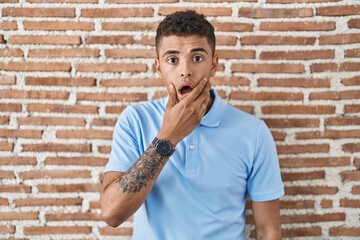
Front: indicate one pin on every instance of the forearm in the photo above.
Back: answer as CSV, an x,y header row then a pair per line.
x,y
122,197
268,233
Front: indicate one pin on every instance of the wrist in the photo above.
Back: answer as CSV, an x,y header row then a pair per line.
x,y
172,140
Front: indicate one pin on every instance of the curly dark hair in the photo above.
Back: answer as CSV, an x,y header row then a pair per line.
x,y
186,23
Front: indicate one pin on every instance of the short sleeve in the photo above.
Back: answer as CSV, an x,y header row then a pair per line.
x,y
124,148
264,182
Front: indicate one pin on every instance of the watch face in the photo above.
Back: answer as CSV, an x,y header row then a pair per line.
x,y
163,148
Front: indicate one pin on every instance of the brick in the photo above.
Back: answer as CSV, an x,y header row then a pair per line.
x,y
53,147
325,203
145,40
113,39
117,12
81,187
344,231
7,174
7,229
298,26
15,189
9,1
10,107
351,108
18,161
58,26
338,10
59,108
8,25
267,68
314,162
129,26
111,67
207,11
352,53
141,1
19,216
302,176
233,27
2,39
132,82
303,148
94,205
38,12
334,67
20,94
64,53
351,147
332,134
237,54
300,1
51,40
21,133
298,109
335,95
51,174
130,53
35,66
104,149
4,120
47,202
353,81
350,175
126,97
57,230
297,204
342,121
349,203
313,218
11,52
265,96
297,55
339,39
294,82
4,146
218,1
300,231
355,190
76,161
274,12
7,80
84,134
78,216
60,81
116,231
354,23
277,40
292,122
114,109
103,122
230,81
226,40
357,163
51,121
310,190
62,1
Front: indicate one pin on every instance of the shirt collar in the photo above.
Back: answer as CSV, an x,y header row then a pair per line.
x,y
215,115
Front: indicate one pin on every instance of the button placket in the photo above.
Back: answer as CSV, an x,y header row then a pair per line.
x,y
191,150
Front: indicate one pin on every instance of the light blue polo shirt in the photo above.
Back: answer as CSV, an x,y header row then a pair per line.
x,y
201,191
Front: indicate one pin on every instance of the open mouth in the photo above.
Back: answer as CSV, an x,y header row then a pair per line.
x,y
185,90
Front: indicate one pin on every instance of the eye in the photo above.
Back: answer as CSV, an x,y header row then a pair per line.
x,y
171,60
198,58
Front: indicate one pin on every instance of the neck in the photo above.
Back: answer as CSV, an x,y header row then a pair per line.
x,y
212,97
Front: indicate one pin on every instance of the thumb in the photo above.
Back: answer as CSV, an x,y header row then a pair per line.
x,y
172,97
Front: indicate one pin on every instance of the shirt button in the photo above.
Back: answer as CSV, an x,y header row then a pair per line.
x,y
192,147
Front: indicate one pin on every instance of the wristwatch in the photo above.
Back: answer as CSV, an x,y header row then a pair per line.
x,y
163,147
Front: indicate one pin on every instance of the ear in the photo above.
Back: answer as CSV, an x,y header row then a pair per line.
x,y
157,66
215,62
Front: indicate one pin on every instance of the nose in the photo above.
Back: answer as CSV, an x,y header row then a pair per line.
x,y
185,70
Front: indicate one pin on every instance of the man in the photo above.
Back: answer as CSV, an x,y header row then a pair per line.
x,y
184,164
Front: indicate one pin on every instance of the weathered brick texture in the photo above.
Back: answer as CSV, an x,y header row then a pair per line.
x,y
69,68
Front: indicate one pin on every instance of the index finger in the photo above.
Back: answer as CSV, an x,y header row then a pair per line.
x,y
196,91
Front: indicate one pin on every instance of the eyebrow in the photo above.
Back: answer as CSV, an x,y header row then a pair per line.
x,y
200,49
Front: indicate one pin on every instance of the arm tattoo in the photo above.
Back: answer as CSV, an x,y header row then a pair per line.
x,y
143,170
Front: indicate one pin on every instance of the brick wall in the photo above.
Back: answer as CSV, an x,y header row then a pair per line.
x,y
68,68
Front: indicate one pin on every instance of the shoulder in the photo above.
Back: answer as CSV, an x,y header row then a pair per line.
x,y
240,118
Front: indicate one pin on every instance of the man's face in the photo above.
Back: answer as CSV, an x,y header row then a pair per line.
x,y
184,61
